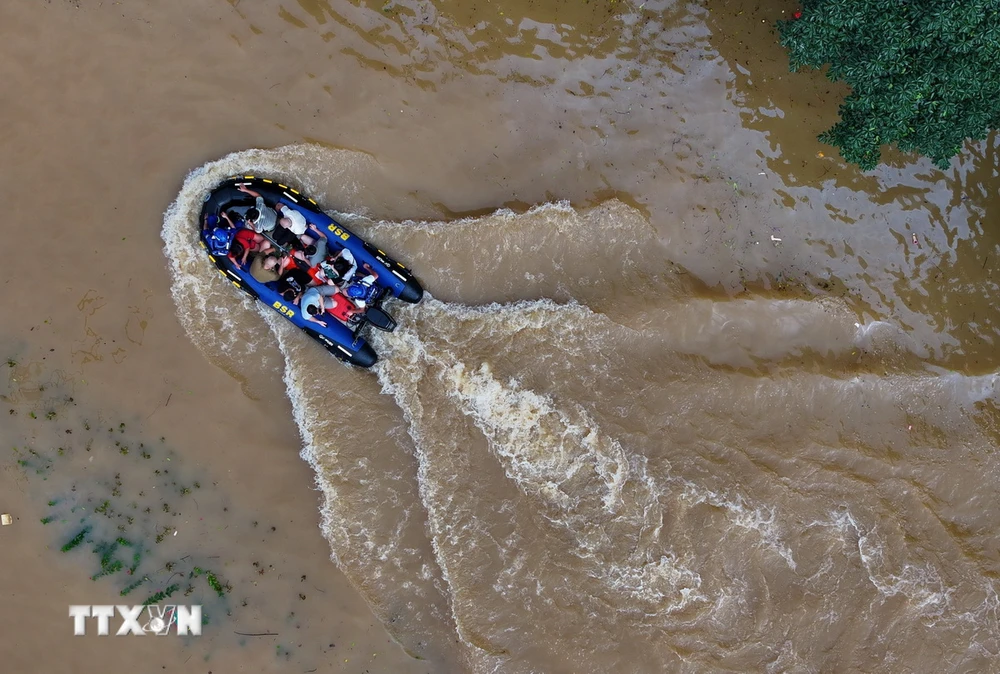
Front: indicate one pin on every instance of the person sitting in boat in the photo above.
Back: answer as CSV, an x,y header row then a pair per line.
x,y
234,219
248,241
261,217
361,290
275,265
336,270
264,268
316,250
293,227
328,298
293,283
231,238
345,265
266,220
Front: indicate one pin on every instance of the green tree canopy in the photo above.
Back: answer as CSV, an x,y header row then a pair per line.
x,y
924,74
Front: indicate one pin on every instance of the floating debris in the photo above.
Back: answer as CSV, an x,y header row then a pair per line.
x,y
6,519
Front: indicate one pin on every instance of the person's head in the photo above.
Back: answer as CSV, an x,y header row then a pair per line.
x,y
310,250
329,271
312,309
270,262
252,215
289,295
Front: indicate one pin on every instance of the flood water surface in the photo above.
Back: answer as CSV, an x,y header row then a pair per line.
x,y
686,393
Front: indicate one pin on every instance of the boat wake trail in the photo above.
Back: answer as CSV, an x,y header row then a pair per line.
x,y
633,473
599,495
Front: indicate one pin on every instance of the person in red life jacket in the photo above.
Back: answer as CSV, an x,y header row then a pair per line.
x,y
327,298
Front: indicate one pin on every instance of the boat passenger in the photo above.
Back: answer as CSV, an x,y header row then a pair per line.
x,y
324,273
264,268
294,223
265,219
261,217
338,269
292,220
327,298
293,283
228,217
331,270
218,237
249,242
360,290
286,262
345,264
317,249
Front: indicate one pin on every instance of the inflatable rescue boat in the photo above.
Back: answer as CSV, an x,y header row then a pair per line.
x,y
279,253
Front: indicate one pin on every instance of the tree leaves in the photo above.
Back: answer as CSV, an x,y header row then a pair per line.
x,y
924,74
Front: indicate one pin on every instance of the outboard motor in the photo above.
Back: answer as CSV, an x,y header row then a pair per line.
x,y
379,319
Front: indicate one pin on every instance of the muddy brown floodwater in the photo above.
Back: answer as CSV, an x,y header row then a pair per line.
x,y
687,393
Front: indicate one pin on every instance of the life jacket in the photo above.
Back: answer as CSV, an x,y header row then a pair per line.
x,y
359,291
219,240
340,307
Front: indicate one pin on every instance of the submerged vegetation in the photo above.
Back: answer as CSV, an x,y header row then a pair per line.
x,y
116,530
924,74
114,515
133,515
